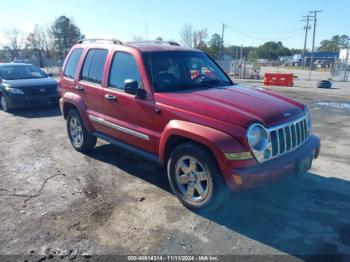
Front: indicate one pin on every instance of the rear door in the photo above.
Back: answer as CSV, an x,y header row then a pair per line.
x,y
130,119
90,85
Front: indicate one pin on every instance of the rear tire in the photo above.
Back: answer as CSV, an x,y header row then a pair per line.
x,y
196,179
79,137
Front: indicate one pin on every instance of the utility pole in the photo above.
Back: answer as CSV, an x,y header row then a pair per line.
x,y
347,58
313,39
307,20
222,42
241,72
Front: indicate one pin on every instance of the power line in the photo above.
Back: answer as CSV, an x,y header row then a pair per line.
x,y
261,38
264,33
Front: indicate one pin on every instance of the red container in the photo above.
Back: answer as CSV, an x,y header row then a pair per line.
x,y
275,79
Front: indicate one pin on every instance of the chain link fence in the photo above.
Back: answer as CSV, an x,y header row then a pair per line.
x,y
340,71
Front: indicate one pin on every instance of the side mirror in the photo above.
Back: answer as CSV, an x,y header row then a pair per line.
x,y
132,87
50,74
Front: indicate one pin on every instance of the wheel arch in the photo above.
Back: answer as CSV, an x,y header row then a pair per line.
x,y
214,141
73,101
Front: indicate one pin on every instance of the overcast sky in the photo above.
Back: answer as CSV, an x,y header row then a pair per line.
x,y
250,22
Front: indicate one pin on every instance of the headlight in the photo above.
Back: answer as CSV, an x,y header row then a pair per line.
x,y
257,137
308,117
14,90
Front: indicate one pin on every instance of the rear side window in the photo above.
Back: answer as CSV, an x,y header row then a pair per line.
x,y
86,66
93,65
123,67
72,63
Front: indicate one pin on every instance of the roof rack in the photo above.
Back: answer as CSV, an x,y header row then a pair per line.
x,y
101,40
158,42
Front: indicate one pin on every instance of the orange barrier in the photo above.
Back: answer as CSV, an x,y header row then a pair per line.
x,y
274,79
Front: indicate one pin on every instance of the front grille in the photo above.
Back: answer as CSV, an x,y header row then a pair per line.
x,y
36,90
288,137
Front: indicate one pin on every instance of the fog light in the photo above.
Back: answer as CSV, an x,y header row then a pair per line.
x,y
267,154
238,179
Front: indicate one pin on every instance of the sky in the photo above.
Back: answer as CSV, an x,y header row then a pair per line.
x,y
249,23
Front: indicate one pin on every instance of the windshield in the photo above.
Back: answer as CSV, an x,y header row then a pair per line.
x,y
180,70
14,72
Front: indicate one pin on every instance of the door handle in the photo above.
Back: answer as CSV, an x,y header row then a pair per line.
x,y
110,97
79,88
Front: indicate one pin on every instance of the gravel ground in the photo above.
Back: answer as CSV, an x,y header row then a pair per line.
x,y
56,202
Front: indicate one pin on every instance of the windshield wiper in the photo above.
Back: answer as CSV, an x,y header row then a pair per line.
x,y
212,82
182,86
203,84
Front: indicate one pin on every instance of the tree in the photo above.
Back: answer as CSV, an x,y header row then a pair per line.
x,y
235,51
15,41
270,50
215,46
65,34
202,46
159,38
191,37
38,45
186,35
199,36
295,51
335,44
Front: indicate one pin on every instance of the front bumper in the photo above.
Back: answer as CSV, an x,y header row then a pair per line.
x,y
271,171
21,101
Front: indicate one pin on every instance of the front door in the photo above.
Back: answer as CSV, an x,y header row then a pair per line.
x,y
130,119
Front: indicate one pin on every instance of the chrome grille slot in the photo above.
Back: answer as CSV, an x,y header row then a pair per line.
x,y
294,139
274,142
298,133
302,131
288,137
281,140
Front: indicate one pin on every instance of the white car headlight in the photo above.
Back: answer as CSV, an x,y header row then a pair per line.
x,y
257,137
14,90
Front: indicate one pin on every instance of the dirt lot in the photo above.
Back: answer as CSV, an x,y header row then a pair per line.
x,y
56,201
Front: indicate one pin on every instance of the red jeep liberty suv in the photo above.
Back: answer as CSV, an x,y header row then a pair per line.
x,y
176,106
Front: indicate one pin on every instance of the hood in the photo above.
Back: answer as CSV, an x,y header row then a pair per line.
x,y
35,82
237,104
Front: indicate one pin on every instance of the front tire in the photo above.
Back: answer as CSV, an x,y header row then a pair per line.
x,y
4,103
195,178
79,137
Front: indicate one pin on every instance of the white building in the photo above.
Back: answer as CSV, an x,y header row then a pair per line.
x,y
343,54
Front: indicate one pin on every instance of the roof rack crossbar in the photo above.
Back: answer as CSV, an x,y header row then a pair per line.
x,y
91,40
159,42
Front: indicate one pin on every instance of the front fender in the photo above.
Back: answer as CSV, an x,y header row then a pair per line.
x,y
78,102
217,141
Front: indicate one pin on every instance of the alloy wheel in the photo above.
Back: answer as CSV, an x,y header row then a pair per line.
x,y
4,103
76,131
193,180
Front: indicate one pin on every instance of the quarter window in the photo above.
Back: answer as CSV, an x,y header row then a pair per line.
x,y
93,65
123,67
72,63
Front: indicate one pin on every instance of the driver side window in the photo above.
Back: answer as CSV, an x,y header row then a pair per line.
x,y
123,67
